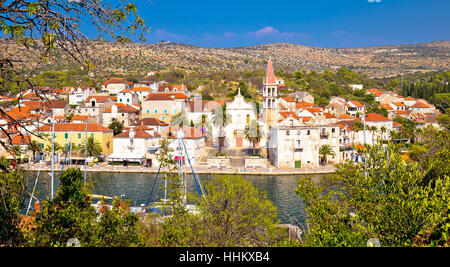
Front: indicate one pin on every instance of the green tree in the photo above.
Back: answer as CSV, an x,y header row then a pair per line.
x,y
388,199
116,126
373,130
70,215
12,189
220,119
253,133
93,149
180,120
324,151
234,213
35,147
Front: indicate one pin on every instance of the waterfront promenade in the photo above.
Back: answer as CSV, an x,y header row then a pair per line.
x,y
199,169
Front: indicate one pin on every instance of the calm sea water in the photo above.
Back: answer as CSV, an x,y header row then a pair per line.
x,y
138,186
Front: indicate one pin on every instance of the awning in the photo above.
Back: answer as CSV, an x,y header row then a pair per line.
x,y
126,156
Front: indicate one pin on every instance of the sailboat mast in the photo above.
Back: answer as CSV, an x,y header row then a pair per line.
x,y
85,151
180,162
53,151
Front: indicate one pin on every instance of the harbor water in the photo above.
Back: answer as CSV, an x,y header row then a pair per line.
x,y
137,188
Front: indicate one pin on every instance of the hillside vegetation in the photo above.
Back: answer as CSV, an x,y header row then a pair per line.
x,y
139,58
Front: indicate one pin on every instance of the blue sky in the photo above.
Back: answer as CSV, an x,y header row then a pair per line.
x,y
321,23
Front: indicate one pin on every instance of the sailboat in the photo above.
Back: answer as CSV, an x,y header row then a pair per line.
x,y
161,207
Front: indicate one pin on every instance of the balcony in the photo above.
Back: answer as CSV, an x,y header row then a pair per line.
x,y
324,135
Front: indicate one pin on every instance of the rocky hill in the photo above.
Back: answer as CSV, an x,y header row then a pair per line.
x,y
376,61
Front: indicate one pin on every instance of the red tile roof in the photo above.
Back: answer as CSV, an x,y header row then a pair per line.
x,y
288,99
356,103
374,90
420,105
346,117
386,106
98,98
166,96
375,117
21,140
139,133
303,104
189,132
141,89
289,114
329,115
151,122
74,127
115,80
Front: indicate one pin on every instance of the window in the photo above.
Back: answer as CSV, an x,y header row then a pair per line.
x,y
148,111
287,133
163,118
79,135
308,132
175,111
128,100
121,100
248,118
165,111
66,135
332,130
156,111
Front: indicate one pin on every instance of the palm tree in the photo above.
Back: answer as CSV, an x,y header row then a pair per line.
x,y
204,116
34,147
357,126
383,130
324,151
56,148
373,129
179,119
220,119
253,133
94,148
393,135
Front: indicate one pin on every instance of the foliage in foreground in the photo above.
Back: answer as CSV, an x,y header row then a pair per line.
x,y
12,191
70,215
398,202
233,214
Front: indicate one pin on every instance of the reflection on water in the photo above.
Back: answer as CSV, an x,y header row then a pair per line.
x,y
137,188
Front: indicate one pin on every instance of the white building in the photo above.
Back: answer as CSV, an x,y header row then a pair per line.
x,y
240,113
114,85
294,144
127,97
194,140
138,144
80,94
